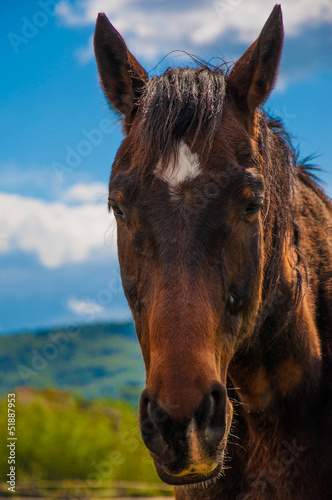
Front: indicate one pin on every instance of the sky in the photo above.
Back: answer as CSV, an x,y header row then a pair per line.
x,y
58,261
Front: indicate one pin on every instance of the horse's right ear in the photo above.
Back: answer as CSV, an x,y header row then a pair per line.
x,y
121,76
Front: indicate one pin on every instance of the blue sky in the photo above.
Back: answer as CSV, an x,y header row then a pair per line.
x,y
57,241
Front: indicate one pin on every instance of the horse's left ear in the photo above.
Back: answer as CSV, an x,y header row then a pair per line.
x,y
253,75
121,75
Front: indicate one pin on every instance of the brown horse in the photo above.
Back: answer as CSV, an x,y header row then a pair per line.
x,y
224,242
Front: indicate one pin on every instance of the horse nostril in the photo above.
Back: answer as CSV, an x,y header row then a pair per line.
x,y
211,414
156,426
218,413
146,422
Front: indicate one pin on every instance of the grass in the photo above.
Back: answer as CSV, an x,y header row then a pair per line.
x,y
61,437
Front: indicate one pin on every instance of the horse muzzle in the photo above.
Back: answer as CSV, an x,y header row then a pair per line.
x,y
191,450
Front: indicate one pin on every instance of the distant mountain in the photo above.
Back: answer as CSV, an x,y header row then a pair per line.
x,y
102,360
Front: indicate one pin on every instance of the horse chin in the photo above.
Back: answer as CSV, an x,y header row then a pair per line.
x,y
189,480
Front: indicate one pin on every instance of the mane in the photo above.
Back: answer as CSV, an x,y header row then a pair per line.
x,y
180,104
305,169
283,170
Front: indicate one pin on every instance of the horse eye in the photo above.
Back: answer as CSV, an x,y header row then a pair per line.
x,y
118,214
252,209
234,305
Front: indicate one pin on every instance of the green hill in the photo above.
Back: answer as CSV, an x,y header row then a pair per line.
x,y
94,361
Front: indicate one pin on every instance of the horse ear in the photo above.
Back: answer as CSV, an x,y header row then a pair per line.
x,y
121,76
253,75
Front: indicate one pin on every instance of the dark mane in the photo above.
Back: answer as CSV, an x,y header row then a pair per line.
x,y
282,169
278,164
181,103
305,169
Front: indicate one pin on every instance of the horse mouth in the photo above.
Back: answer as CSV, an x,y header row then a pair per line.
x,y
188,479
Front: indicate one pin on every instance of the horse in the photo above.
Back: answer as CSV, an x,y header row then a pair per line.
x,y
225,249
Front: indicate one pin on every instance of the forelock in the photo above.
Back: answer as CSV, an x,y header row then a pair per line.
x,y
181,104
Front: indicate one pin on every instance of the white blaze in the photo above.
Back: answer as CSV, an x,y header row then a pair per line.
x,y
194,444
185,167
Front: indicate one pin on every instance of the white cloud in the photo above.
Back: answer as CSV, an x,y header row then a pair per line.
x,y
90,310
55,232
85,54
12,176
9,176
87,193
39,182
85,307
161,26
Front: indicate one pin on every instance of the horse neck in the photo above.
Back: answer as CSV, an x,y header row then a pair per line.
x,y
282,360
